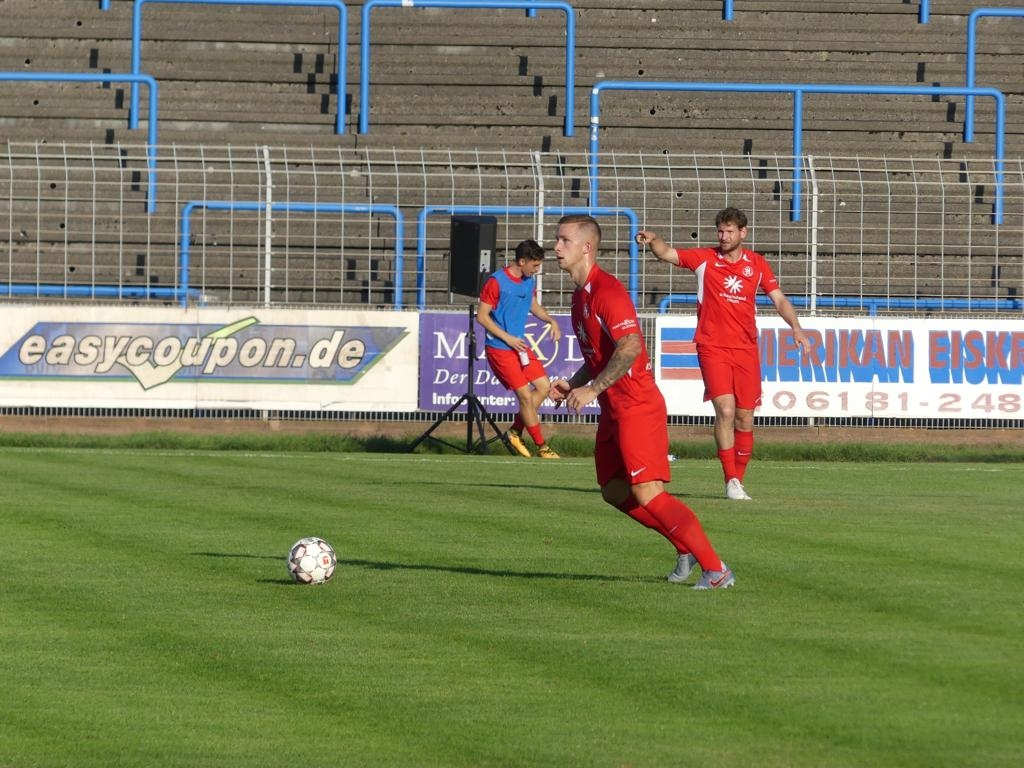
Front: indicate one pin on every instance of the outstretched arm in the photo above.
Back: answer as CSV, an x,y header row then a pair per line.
x,y
658,247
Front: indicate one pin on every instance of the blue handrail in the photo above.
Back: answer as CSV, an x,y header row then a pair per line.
x,y
339,120
727,11
253,205
520,210
972,45
108,77
529,5
922,11
798,91
872,304
93,291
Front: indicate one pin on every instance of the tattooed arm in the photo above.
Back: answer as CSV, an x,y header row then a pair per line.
x,y
577,393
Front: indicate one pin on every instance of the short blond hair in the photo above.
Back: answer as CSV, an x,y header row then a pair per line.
x,y
584,220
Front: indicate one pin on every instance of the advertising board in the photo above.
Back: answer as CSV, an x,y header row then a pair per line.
x,y
117,357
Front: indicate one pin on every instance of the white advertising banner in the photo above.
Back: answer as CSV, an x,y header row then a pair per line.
x,y
863,367
266,359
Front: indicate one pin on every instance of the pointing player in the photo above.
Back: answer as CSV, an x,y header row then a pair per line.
x,y
508,298
728,279
631,447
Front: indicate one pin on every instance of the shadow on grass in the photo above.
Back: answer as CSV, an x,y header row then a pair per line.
x,y
518,487
378,565
680,494
375,565
237,555
283,582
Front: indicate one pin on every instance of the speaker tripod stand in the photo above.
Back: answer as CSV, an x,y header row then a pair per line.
x,y
476,413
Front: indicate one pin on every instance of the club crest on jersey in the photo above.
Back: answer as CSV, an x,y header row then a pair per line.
x,y
748,271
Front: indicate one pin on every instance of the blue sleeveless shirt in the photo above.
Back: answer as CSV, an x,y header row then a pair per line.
x,y
514,301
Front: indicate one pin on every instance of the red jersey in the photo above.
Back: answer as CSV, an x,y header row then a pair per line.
x,y
725,295
602,313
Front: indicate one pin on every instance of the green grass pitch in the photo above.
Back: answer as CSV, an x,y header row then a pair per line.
x,y
492,611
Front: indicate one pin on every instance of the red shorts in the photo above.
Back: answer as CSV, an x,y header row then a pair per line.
x,y
729,371
510,372
634,447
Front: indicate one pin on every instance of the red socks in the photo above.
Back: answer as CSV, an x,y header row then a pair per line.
x,y
676,522
679,523
744,448
639,513
728,458
535,431
734,460
536,434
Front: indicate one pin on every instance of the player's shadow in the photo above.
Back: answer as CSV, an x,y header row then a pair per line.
x,y
285,582
379,565
594,490
511,485
241,555
376,565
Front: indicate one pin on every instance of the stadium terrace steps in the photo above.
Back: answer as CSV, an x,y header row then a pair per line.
x,y
473,79
502,74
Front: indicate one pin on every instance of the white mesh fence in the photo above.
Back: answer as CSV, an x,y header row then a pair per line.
x,y
346,227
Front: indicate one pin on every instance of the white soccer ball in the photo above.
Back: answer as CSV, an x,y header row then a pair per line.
x,y
311,561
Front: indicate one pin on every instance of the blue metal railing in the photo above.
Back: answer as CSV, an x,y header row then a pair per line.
x,y
798,91
342,86
229,205
972,45
529,5
519,210
922,11
107,77
873,304
93,291
727,10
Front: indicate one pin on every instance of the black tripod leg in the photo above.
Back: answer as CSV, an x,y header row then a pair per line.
x,y
475,411
479,429
437,423
482,414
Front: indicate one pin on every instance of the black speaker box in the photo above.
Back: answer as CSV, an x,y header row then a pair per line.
x,y
472,254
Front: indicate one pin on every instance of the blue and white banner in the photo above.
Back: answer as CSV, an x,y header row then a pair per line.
x,y
142,357
860,367
265,359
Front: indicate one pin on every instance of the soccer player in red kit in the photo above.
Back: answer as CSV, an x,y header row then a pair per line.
x,y
631,447
728,279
